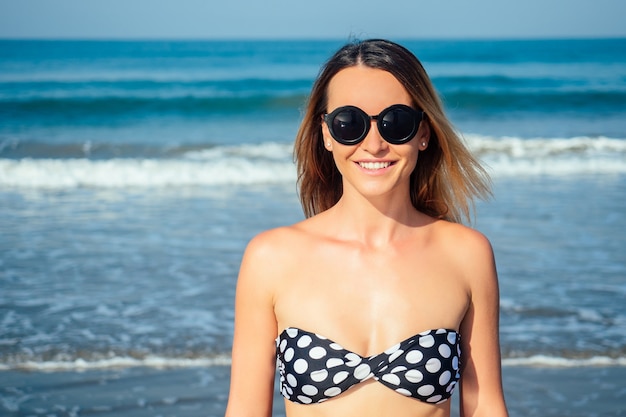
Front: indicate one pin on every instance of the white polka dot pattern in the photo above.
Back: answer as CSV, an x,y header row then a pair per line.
x,y
314,369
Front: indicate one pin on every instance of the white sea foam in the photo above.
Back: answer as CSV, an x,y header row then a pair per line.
x,y
117,362
512,156
267,163
272,163
560,362
225,360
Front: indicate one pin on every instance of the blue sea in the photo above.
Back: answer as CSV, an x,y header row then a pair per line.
x,y
133,173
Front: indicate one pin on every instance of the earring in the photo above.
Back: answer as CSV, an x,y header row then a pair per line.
x,y
424,144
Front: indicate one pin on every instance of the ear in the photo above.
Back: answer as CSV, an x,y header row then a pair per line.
x,y
423,134
326,137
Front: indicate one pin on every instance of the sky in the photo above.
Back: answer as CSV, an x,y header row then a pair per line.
x,y
321,19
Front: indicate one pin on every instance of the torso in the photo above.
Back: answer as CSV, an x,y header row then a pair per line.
x,y
368,299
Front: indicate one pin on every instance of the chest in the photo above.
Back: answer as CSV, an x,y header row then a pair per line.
x,y
368,289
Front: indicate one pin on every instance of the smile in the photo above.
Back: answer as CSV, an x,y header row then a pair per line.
x,y
374,165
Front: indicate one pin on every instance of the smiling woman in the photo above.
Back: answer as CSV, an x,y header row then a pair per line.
x,y
378,303
375,166
133,174
447,177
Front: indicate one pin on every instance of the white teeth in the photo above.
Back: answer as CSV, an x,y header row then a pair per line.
x,y
374,165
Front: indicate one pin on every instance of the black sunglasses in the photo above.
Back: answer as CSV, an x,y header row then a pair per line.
x,y
397,124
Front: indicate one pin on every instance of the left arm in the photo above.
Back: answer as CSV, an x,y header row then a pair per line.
x,y
481,380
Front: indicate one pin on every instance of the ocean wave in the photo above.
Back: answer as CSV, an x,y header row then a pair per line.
x,y
536,100
511,156
161,362
70,108
219,167
187,100
561,362
117,362
101,94
270,163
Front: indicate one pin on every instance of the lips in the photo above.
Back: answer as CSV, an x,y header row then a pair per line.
x,y
374,165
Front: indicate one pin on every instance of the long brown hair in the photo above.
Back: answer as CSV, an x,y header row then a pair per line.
x,y
447,177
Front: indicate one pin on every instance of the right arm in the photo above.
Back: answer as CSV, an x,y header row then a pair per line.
x,y
254,349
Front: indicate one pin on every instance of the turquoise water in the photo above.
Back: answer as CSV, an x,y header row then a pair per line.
x,y
132,174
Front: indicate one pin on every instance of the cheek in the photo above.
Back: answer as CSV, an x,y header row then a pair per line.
x,y
341,156
412,158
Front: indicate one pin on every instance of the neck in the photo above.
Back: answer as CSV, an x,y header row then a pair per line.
x,y
376,221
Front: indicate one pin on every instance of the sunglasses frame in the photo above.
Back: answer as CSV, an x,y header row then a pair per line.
x,y
418,116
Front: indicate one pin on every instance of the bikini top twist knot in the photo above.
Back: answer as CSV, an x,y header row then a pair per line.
x,y
314,369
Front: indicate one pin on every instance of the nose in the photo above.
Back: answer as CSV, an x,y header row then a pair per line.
x,y
374,142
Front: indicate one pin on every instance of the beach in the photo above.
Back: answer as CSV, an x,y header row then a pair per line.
x,y
133,174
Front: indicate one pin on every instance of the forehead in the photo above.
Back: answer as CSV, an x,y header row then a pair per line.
x,y
370,89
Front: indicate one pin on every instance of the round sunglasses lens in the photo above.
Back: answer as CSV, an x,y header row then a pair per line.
x,y
398,124
348,125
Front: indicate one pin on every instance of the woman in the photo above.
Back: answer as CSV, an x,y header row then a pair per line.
x,y
380,302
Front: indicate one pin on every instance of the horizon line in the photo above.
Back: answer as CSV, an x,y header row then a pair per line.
x,y
302,38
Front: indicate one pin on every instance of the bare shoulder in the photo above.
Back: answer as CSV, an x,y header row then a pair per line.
x,y
469,250
279,240
269,246
464,238
269,240
275,250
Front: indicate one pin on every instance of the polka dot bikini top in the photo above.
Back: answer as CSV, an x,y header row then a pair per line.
x,y
314,369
